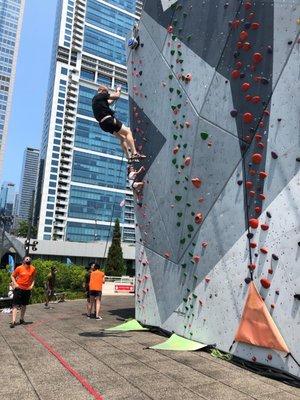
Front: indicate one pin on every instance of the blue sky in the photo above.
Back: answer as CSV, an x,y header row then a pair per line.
x,y
26,122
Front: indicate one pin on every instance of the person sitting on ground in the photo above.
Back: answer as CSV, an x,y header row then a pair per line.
x,y
49,285
108,123
97,279
23,279
86,286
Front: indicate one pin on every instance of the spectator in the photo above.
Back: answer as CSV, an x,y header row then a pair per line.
x,y
86,286
49,286
97,279
23,279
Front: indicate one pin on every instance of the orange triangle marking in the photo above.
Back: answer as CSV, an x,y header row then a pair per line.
x,y
257,326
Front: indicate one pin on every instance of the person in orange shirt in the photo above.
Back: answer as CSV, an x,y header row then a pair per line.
x,y
97,279
22,281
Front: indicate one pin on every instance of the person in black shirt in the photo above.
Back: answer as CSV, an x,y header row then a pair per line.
x,y
108,123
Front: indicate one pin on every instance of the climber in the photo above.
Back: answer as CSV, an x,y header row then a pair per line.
x,y
134,41
137,187
108,123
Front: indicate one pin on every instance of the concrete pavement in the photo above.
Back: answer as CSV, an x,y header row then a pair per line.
x,y
64,355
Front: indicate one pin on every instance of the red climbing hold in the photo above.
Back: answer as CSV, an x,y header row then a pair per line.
x,y
245,86
204,244
263,175
248,97
207,280
264,227
198,218
255,99
248,118
235,74
253,245
196,182
187,161
270,271
256,158
247,46
188,77
175,150
257,58
167,255
252,267
254,359
249,184
265,283
170,29
264,250
262,196
244,36
254,223
255,25
248,5
257,210
196,259
270,357
238,65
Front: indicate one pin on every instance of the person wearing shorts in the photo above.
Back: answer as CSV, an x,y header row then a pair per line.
x,y
49,285
23,279
86,286
97,279
109,123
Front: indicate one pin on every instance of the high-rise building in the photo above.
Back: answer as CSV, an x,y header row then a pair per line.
x,y
28,182
82,176
11,16
7,197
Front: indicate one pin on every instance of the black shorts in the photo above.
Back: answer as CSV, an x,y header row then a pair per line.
x,y
21,297
111,125
95,293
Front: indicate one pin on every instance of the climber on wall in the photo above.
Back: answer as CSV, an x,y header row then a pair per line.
x,y
136,186
108,123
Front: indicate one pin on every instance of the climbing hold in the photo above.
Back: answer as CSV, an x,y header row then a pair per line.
x,y
270,271
233,113
196,182
270,357
196,259
245,86
256,158
244,36
254,359
249,184
187,161
265,283
264,250
254,223
255,25
274,155
239,182
275,257
204,244
198,218
207,279
178,198
247,46
190,228
248,118
264,227
170,29
263,175
257,58
235,74
253,245
204,135
255,99
252,267
175,150
247,280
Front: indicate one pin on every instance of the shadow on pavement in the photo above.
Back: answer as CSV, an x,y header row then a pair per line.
x,y
102,334
123,313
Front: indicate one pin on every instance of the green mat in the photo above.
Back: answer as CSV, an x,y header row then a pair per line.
x,y
131,325
178,343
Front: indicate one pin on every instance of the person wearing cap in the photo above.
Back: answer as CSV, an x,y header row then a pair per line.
x,y
22,279
49,285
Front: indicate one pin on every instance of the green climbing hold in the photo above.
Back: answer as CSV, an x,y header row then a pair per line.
x,y
177,182
171,90
182,241
178,198
190,228
188,204
191,254
185,299
179,106
178,91
204,135
194,295
170,76
183,265
179,214
184,14
178,224
189,37
195,277
179,53
192,214
174,161
172,52
189,236
185,145
175,137
185,274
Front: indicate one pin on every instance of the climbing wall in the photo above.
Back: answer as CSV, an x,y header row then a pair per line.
x,y
215,107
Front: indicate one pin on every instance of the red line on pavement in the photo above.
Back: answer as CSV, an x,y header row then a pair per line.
x,y
66,365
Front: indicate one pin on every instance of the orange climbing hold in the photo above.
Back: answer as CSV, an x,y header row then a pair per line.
x,y
196,182
265,283
248,118
256,158
254,223
257,326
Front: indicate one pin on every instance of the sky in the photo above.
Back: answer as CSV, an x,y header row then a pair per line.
x,y
30,91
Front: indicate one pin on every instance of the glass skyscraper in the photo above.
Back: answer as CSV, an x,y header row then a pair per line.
x,y
82,176
11,16
7,197
28,182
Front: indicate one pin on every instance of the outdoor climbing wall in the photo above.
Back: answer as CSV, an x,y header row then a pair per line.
x,y
215,106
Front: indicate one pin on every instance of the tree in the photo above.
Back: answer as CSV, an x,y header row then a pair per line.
x,y
22,230
115,265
